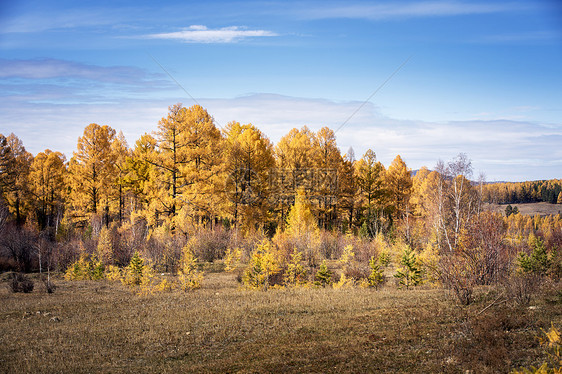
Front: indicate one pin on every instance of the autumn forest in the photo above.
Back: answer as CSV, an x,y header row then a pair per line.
x,y
196,211
190,176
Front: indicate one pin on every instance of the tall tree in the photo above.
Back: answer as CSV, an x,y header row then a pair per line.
x,y
137,179
188,164
370,179
16,191
47,184
7,169
347,182
295,159
328,162
92,171
249,162
122,152
399,184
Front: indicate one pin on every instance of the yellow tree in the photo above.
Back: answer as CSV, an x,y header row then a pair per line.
x,y
137,179
295,158
188,168
399,183
122,152
328,162
372,192
300,220
347,186
249,161
47,184
92,173
7,167
296,150
15,188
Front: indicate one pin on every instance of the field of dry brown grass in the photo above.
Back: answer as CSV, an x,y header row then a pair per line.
x,y
103,327
542,208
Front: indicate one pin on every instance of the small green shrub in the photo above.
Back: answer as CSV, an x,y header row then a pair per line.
x,y
409,274
323,276
134,271
376,277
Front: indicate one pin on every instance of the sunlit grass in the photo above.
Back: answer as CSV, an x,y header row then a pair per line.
x,y
89,326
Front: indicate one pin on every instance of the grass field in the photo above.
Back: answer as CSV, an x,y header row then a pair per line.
x,y
103,327
543,209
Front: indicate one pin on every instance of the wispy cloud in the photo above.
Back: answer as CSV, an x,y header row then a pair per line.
x,y
527,37
49,68
37,19
492,144
396,10
202,34
504,150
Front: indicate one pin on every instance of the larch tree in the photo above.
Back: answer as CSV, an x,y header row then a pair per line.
x,y
92,171
16,191
47,184
249,162
295,159
137,179
348,187
328,162
122,152
372,192
296,150
7,169
301,221
399,184
188,167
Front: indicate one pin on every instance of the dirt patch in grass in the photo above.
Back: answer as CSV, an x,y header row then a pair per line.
x,y
89,326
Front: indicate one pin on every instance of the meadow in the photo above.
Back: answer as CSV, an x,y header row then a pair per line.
x,y
105,327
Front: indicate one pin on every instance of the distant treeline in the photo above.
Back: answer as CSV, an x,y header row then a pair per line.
x,y
549,191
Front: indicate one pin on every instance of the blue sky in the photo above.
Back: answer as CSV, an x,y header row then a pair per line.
x,y
480,77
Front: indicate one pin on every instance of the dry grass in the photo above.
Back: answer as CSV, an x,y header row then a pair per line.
x,y
102,327
542,209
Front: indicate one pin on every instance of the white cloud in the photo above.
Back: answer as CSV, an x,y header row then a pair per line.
x,y
202,34
504,150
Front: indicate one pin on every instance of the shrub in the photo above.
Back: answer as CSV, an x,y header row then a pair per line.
x,y
134,271
113,273
344,282
86,268
262,267
324,276
409,274
232,259
456,275
347,256
538,262
20,283
189,277
376,277
552,344
357,272
521,287
295,274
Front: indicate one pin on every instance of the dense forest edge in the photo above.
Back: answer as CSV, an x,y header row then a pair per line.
x,y
192,199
